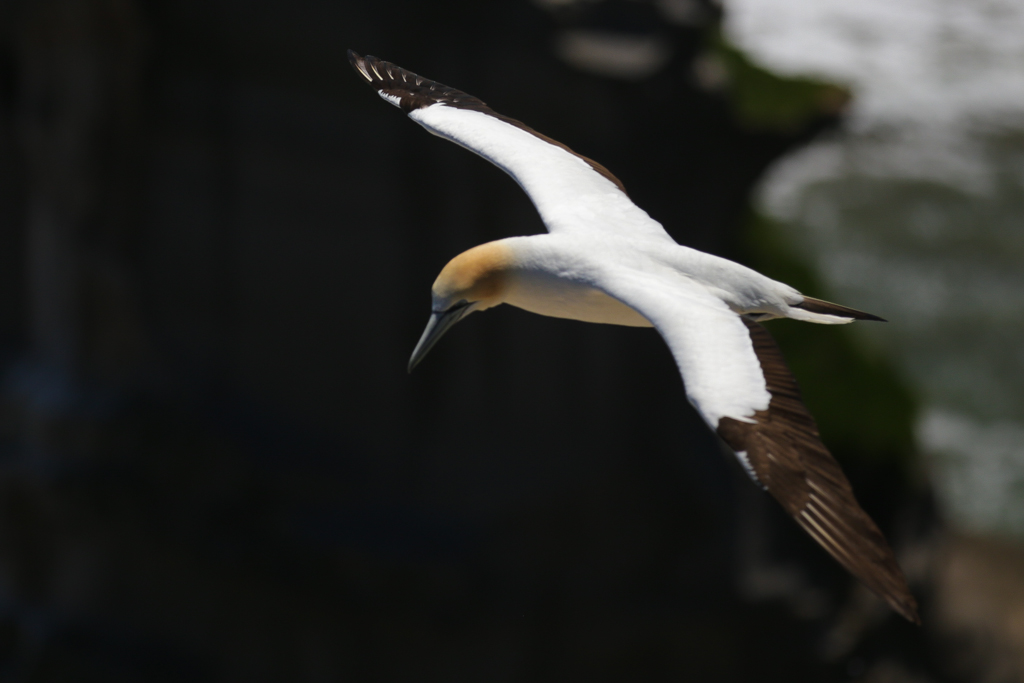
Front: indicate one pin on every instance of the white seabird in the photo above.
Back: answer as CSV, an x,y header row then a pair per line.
x,y
606,261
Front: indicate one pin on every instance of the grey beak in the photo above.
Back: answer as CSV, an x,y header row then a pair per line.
x,y
439,323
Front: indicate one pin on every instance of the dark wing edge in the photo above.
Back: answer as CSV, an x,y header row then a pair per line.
x,y
416,92
813,305
786,453
412,90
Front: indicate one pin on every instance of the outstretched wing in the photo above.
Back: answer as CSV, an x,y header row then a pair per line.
x,y
570,191
737,379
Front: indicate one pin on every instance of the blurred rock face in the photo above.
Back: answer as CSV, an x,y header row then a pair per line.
x,y
914,208
982,601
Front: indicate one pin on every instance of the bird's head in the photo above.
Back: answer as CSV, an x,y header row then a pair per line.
x,y
475,280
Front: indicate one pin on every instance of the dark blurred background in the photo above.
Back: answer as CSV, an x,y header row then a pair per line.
x,y
216,249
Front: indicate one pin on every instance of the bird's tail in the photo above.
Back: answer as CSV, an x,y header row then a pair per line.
x,y
826,313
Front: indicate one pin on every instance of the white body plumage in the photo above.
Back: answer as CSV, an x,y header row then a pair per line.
x,y
606,261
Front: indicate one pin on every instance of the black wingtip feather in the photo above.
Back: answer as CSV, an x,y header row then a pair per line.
x,y
415,92
354,59
828,308
785,451
359,65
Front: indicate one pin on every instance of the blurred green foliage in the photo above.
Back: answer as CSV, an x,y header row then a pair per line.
x,y
762,100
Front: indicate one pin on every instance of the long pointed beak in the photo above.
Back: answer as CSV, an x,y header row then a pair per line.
x,y
439,323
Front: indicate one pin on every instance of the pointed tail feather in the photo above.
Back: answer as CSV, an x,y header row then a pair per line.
x,y
818,311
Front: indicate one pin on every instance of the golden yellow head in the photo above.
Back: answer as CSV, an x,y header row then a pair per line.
x,y
476,276
475,280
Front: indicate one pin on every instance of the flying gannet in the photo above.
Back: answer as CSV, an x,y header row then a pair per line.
x,y
606,261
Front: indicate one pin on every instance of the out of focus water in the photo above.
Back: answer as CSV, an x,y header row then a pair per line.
x,y
915,211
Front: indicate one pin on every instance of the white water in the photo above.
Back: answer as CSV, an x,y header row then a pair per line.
x,y
915,211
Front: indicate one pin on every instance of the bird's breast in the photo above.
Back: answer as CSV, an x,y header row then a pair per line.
x,y
550,295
